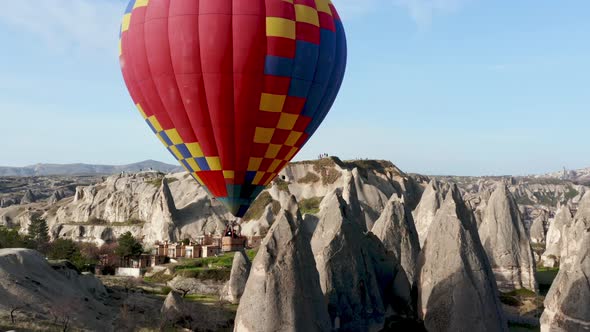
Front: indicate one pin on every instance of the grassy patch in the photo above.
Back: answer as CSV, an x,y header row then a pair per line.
x,y
309,178
257,208
205,273
251,253
311,205
202,298
515,298
330,176
156,182
223,261
281,184
159,278
524,200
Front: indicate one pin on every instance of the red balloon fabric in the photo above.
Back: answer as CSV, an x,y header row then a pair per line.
x,y
233,88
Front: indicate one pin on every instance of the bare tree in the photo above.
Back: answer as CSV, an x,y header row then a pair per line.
x,y
62,313
14,309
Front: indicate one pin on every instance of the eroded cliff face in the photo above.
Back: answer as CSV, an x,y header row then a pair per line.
x,y
567,305
504,238
158,207
151,205
366,185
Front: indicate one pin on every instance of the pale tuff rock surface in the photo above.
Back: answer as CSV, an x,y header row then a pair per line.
x,y
396,230
538,232
28,198
350,196
358,277
555,236
431,201
93,213
283,291
27,279
371,183
261,226
372,199
55,197
153,207
567,305
197,286
174,307
456,287
506,243
240,270
574,234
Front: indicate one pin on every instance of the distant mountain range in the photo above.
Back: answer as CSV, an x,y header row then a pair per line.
x,y
86,169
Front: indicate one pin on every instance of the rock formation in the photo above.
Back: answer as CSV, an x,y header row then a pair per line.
x,y
574,233
174,308
350,196
431,201
358,277
456,286
396,230
28,198
283,291
506,243
262,225
555,235
152,206
567,305
240,270
537,232
55,197
29,282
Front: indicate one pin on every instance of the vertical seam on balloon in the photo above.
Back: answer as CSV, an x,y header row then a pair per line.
x,y
255,123
338,84
233,96
148,62
131,72
149,68
202,80
318,108
216,141
145,36
176,81
250,140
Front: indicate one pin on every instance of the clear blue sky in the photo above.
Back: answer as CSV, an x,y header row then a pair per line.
x,y
464,87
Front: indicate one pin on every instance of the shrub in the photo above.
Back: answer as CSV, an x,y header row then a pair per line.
x,y
128,246
281,184
257,208
65,249
311,205
309,178
10,238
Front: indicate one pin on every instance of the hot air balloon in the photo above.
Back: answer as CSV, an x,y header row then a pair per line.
x,y
233,88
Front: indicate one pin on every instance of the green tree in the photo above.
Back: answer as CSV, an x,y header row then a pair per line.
x,y
63,249
10,238
128,246
39,233
82,255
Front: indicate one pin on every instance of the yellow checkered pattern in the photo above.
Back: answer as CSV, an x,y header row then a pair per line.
x,y
274,104
194,149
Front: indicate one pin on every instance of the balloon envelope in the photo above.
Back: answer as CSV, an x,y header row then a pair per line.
x,y
233,88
